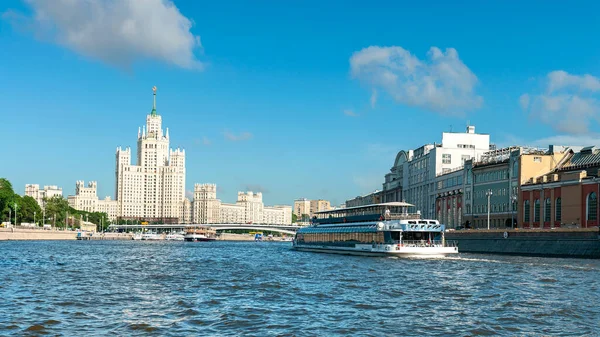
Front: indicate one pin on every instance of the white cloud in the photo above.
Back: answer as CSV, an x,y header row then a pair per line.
x,y
189,194
350,113
568,140
569,103
442,83
235,138
373,98
118,32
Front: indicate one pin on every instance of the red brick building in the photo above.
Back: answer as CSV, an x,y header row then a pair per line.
x,y
566,197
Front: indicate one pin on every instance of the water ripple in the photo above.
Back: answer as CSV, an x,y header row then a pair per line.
x,y
265,289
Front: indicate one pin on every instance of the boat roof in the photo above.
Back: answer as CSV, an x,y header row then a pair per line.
x,y
384,204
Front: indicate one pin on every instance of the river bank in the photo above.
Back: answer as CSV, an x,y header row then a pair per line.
x,y
20,234
556,242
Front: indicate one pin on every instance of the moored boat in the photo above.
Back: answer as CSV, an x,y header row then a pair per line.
x,y
195,234
384,229
175,237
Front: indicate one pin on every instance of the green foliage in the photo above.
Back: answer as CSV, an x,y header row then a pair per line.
x,y
27,207
305,217
7,198
56,210
294,218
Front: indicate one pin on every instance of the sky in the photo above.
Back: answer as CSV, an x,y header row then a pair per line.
x,y
290,98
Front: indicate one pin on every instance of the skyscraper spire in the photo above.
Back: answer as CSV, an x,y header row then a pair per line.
x,y
153,113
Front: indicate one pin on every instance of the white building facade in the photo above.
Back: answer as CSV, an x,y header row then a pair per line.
x,y
415,171
249,208
34,191
154,188
86,199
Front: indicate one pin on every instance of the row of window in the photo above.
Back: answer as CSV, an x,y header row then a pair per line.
x,y
491,176
341,237
591,209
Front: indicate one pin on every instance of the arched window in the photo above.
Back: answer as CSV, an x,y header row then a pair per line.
x,y
526,211
592,206
558,210
547,206
536,211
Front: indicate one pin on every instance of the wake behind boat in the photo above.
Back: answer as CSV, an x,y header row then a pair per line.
x,y
385,229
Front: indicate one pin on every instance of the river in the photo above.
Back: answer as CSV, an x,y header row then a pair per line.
x,y
133,288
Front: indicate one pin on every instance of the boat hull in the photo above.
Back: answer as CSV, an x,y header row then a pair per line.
x,y
381,251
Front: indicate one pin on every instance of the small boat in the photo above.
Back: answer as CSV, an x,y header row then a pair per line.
x,y
151,236
175,237
137,236
195,234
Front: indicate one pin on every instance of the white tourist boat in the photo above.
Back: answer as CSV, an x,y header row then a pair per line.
x,y
195,234
152,236
385,229
175,237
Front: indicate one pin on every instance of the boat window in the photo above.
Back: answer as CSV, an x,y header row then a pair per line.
x,y
423,222
412,222
432,222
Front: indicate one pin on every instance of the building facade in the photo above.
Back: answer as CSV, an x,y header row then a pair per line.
x,y
301,206
319,205
154,188
565,197
449,198
495,181
415,171
374,197
249,208
86,199
34,191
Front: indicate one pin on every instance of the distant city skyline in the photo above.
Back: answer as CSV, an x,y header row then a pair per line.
x,y
283,99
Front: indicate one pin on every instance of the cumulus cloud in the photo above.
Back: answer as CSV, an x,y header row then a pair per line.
x,y
118,32
239,137
350,113
569,102
441,83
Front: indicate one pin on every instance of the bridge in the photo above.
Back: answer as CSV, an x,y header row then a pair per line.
x,y
285,229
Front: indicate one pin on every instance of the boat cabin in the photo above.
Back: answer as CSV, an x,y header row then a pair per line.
x,y
376,212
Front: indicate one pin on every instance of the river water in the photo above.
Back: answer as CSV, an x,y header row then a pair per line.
x,y
133,288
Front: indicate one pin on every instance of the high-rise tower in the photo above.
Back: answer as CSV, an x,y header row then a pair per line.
x,y
154,189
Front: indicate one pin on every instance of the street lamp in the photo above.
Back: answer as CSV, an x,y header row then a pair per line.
x,y
34,219
488,194
514,210
15,214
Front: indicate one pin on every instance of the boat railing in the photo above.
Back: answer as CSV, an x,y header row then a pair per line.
x,y
426,243
403,216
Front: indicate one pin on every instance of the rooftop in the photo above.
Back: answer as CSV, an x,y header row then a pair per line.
x,y
385,204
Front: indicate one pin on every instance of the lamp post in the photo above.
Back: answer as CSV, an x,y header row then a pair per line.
x,y
34,219
15,214
488,194
9,214
514,210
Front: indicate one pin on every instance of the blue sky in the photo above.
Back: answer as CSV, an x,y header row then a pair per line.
x,y
294,98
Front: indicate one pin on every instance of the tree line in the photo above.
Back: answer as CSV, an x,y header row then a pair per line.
x,y
54,212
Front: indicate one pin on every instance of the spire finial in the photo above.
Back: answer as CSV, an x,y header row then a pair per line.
x,y
153,113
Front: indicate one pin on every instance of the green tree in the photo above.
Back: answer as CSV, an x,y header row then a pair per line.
x,y
7,197
56,210
305,217
27,207
294,218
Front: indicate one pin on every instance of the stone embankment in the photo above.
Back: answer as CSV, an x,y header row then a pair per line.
x,y
35,234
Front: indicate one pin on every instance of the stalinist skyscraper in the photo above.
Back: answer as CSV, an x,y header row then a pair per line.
x,y
154,189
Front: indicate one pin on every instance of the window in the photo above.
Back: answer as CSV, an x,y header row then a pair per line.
x,y
547,210
536,211
526,211
592,206
557,210
446,158
537,159
515,169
